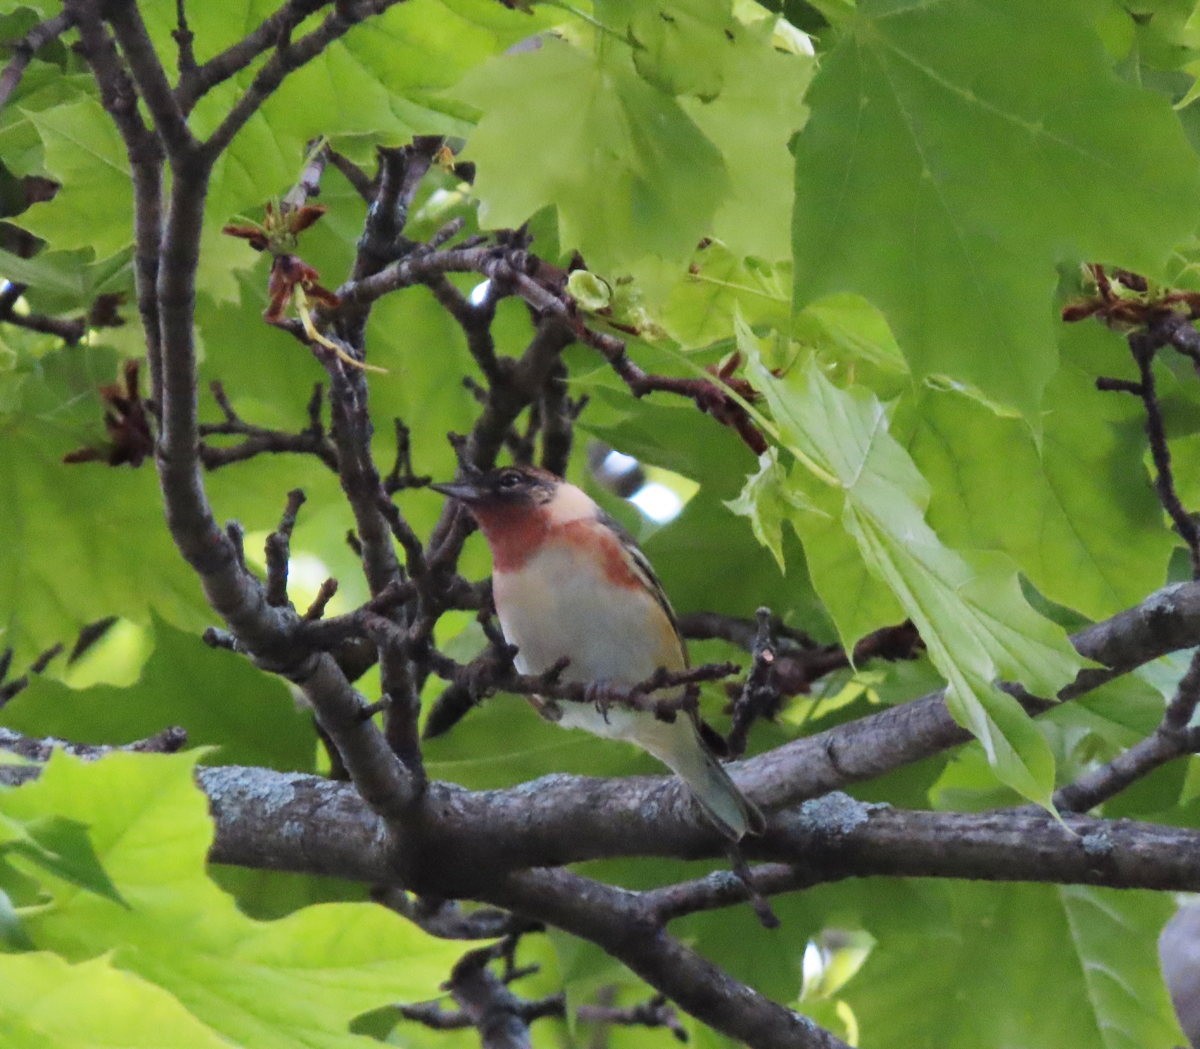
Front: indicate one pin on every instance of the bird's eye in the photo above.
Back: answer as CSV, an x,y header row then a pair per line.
x,y
509,479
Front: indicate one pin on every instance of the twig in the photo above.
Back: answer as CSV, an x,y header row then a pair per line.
x,y
288,57
69,330
657,1012
557,414
308,185
10,689
261,441
24,49
325,594
184,40
170,122
447,920
1144,345
489,674
1172,739
278,551
760,697
402,475
363,185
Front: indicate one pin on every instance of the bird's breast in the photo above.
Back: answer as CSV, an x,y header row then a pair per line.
x,y
558,604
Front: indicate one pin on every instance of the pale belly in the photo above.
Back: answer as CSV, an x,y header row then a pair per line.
x,y
550,610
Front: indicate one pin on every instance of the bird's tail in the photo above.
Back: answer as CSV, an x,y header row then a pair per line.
x,y
733,814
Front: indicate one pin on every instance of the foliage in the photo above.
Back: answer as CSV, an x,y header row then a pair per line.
x,y
876,241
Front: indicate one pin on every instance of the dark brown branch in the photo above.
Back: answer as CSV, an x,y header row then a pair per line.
x,y
70,330
488,1003
489,675
278,551
447,920
268,634
1172,739
1166,621
557,414
25,48
363,185
1144,345
657,1012
760,697
118,95
234,59
312,440
184,42
619,923
10,689
799,660
169,120
325,594
287,58
475,321
402,475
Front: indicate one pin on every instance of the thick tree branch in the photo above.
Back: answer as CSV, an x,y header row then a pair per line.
x,y
303,823
167,303
619,923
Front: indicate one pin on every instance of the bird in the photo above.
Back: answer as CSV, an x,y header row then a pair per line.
x,y
570,583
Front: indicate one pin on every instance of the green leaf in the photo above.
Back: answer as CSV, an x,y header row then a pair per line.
x,y
957,152
90,517
1095,947
700,307
1094,547
49,1004
84,152
267,985
256,721
752,120
969,610
682,47
12,933
628,171
769,501
61,847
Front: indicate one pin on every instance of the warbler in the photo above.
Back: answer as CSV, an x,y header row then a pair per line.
x,y
569,582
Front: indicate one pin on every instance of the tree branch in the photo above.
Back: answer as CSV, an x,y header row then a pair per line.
x,y
119,98
619,923
1168,620
234,59
1172,739
151,80
287,58
24,49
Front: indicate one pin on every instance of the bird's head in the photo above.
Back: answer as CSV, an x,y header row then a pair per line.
x,y
511,489
516,506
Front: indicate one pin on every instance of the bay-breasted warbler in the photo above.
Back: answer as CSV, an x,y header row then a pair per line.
x,y
569,582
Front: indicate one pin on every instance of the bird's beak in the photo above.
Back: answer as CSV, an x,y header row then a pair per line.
x,y
464,490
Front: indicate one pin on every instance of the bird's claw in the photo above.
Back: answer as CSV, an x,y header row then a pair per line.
x,y
600,695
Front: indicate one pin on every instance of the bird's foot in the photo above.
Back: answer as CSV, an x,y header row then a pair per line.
x,y
600,695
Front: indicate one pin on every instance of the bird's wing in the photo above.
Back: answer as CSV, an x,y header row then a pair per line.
x,y
640,564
